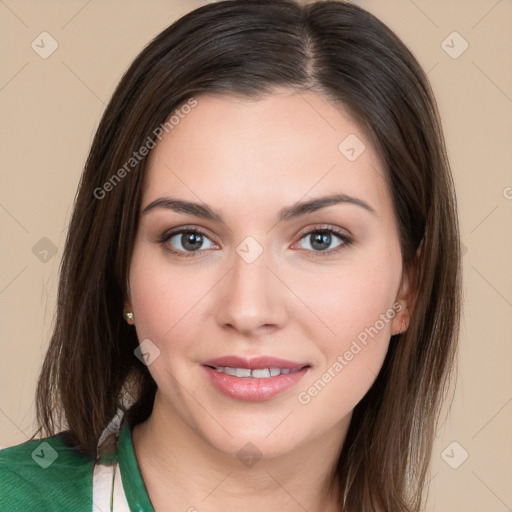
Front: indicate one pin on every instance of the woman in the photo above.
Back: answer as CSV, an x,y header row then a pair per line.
x,y
259,295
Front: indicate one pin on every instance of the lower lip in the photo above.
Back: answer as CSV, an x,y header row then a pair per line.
x,y
251,389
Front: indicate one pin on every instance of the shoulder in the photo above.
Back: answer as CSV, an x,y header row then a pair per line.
x,y
45,475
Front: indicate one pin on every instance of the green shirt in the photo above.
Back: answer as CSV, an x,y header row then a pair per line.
x,y
47,475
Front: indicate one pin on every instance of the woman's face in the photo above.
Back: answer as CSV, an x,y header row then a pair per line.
x,y
267,237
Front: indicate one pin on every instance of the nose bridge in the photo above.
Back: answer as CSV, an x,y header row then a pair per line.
x,y
250,295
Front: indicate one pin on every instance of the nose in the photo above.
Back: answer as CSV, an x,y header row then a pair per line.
x,y
251,300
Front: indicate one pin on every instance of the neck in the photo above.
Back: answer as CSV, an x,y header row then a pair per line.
x,y
180,467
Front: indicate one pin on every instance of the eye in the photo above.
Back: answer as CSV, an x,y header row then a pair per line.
x,y
186,242
327,240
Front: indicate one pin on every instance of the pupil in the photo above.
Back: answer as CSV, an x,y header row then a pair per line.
x,y
321,241
192,241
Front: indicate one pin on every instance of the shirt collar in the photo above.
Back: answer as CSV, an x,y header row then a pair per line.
x,y
133,484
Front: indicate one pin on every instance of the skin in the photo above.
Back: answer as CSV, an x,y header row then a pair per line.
x,y
248,159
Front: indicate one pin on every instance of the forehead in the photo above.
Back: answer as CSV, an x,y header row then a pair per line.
x,y
278,148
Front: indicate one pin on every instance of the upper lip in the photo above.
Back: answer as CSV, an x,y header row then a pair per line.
x,y
254,363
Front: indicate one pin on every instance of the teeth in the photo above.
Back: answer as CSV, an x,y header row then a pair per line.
x,y
243,372
263,373
260,373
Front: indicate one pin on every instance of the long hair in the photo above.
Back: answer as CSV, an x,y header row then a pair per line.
x,y
247,49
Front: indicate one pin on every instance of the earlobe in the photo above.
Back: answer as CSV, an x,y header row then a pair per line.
x,y
404,299
401,322
406,295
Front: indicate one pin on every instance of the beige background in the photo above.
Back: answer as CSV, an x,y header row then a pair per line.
x,y
51,107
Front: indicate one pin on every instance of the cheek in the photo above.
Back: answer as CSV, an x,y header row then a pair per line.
x,y
159,294
356,302
350,300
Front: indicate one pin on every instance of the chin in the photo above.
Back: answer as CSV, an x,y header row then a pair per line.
x,y
248,448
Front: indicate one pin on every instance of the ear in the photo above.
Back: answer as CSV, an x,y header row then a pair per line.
x,y
405,299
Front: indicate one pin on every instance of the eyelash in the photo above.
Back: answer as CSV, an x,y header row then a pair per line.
x,y
346,241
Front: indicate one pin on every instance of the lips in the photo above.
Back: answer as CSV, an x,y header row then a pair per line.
x,y
254,362
254,378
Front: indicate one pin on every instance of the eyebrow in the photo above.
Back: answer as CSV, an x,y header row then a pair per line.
x,y
290,212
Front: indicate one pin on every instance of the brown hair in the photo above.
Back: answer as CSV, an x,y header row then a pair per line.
x,y
247,48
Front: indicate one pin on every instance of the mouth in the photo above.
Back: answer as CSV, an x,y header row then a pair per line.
x,y
254,379
257,373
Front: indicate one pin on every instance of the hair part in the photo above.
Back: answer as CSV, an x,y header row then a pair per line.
x,y
248,49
